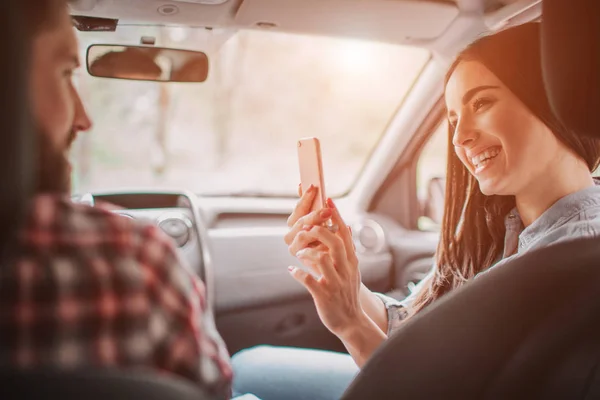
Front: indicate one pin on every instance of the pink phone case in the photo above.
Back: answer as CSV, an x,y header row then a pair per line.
x,y
311,169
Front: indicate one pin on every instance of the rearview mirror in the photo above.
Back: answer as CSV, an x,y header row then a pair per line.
x,y
143,63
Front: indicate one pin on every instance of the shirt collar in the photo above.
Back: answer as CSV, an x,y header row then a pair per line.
x,y
560,212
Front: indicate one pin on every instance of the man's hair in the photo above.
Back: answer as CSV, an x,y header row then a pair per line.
x,y
39,15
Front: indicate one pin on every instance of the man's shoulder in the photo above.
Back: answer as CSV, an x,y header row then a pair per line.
x,y
60,231
59,215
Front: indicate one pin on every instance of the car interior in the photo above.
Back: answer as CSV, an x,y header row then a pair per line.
x,y
186,95
390,194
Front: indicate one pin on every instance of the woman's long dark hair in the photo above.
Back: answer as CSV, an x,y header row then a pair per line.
x,y
473,227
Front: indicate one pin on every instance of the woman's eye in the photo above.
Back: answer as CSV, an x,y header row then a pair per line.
x,y
480,103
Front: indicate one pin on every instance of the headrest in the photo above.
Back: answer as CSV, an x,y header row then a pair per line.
x,y
571,62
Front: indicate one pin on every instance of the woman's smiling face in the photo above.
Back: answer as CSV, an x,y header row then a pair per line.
x,y
502,144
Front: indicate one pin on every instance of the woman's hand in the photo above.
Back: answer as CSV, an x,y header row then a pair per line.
x,y
346,307
332,255
302,216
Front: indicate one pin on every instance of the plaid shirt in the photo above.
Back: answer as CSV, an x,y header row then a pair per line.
x,y
92,288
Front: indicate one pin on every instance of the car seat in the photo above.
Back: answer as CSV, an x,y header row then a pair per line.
x,y
95,384
527,330
571,61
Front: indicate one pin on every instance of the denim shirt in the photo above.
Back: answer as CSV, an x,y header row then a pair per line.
x,y
575,216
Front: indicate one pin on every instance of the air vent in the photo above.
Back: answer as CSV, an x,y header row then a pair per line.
x,y
369,236
177,226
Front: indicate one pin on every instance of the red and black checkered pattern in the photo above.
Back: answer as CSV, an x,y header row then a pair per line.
x,y
92,288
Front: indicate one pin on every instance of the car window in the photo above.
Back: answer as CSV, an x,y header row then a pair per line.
x,y
431,175
237,132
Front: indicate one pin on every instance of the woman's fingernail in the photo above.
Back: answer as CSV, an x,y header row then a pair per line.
x,y
311,187
330,203
307,228
291,269
350,230
326,213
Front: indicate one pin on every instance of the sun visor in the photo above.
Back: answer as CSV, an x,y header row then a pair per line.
x,y
378,20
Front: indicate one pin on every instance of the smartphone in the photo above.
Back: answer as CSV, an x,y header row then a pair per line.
x,y
311,169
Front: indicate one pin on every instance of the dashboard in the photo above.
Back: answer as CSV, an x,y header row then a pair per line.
x,y
243,239
174,213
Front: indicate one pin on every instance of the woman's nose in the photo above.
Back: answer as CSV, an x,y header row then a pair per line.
x,y
464,135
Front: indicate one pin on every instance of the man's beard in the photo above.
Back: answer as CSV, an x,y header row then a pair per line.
x,y
53,167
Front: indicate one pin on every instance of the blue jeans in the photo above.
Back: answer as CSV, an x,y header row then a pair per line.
x,y
285,373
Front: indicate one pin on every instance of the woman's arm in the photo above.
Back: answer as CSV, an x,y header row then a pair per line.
x,y
346,306
374,307
362,339
359,317
389,313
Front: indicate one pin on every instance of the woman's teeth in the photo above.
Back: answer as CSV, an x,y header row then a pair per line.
x,y
483,158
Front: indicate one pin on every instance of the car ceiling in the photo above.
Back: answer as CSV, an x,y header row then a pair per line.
x,y
415,22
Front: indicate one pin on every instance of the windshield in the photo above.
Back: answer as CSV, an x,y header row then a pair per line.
x,y
236,133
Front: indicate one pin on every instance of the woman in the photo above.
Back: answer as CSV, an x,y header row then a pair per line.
x,y
516,180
